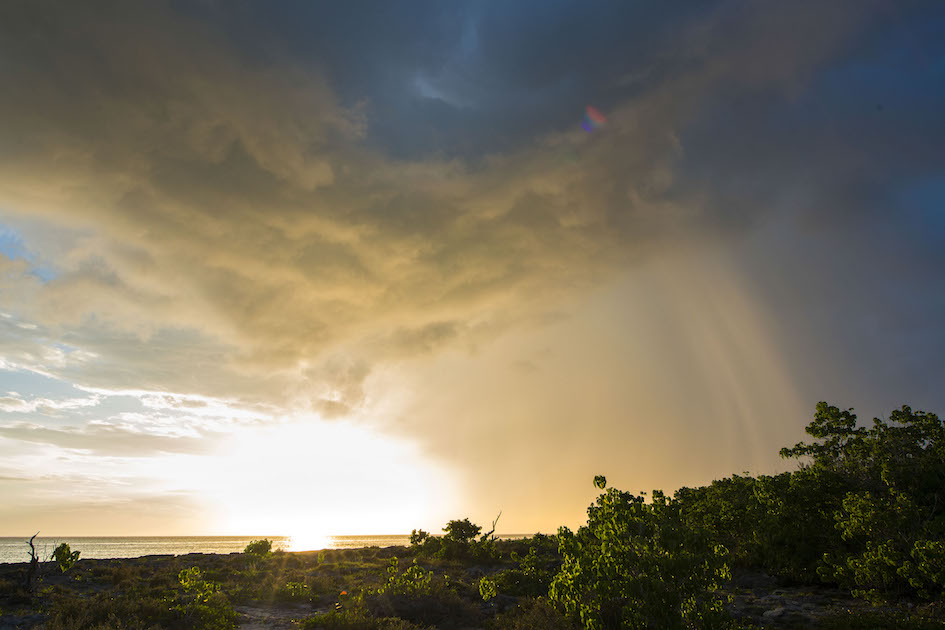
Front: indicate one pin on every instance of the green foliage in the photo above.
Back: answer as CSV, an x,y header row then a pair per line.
x,y
865,511
418,537
461,532
780,523
487,588
205,606
638,565
259,548
891,514
458,543
413,581
65,557
293,591
534,573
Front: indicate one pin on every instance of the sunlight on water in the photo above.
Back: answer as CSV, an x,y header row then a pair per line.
x,y
309,542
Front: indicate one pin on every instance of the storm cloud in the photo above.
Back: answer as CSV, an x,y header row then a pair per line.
x,y
310,209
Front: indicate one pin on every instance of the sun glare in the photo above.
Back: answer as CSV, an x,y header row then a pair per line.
x,y
310,478
309,542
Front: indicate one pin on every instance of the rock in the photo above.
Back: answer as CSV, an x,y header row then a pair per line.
x,y
774,613
475,572
754,580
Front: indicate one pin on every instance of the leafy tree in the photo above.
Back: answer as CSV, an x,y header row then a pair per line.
x,y
259,548
638,565
461,532
890,508
418,537
458,542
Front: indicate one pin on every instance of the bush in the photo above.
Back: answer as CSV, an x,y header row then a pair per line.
x,y
636,565
889,534
863,511
259,548
458,543
418,537
204,605
65,557
293,592
413,581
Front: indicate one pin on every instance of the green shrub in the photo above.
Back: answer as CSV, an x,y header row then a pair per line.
x,y
204,607
487,588
534,573
458,542
418,537
637,565
864,510
293,591
259,548
65,557
413,581
890,523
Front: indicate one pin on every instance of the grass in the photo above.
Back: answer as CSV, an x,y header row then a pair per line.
x,y
148,594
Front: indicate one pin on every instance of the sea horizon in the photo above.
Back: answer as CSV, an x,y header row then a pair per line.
x,y
15,549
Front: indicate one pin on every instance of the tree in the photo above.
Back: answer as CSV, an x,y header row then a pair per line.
x,y
887,496
638,565
461,531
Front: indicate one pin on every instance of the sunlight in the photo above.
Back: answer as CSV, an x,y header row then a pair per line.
x,y
309,477
309,541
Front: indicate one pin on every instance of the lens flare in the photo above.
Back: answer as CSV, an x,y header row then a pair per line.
x,y
593,119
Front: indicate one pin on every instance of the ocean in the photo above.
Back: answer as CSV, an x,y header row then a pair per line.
x,y
16,549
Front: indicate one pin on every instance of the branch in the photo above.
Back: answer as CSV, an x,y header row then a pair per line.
x,y
485,537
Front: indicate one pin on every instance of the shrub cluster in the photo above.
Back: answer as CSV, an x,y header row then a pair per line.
x,y
461,541
865,510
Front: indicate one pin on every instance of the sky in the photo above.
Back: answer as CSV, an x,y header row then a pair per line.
x,y
305,269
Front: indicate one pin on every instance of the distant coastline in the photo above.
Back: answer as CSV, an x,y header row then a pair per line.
x,y
14,549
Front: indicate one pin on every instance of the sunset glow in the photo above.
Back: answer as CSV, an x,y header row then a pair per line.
x,y
317,270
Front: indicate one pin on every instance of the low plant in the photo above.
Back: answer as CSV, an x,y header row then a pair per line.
x,y
204,606
413,581
293,591
65,557
488,589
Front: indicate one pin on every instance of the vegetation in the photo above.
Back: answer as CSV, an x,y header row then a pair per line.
x,y
862,513
638,565
259,548
865,511
65,557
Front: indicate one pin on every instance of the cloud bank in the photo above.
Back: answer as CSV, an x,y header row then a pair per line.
x,y
276,211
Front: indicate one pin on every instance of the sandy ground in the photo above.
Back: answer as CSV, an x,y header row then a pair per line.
x,y
276,616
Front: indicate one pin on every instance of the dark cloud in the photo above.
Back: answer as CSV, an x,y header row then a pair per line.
x,y
276,208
